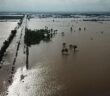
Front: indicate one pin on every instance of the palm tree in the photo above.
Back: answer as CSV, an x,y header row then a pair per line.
x,y
79,29
64,51
71,46
64,44
74,47
84,28
63,33
71,29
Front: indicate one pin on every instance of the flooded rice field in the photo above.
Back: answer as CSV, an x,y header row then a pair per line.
x,y
5,30
83,72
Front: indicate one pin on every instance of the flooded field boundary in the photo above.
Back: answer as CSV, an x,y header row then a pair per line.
x,y
6,43
14,61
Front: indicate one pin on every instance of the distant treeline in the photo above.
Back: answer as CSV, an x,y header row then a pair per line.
x,y
18,15
96,20
11,17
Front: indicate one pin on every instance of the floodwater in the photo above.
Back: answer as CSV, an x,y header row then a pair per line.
x,y
5,30
85,72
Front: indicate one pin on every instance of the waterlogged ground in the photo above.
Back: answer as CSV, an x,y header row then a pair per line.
x,y
5,30
6,64
83,73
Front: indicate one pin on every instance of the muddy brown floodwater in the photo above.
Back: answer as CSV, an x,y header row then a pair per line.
x,y
85,72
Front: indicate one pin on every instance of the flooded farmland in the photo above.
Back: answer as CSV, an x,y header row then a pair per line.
x,y
83,72
5,28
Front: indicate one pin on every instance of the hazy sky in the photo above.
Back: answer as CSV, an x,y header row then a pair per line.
x,y
55,5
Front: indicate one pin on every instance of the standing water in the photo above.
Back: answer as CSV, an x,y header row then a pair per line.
x,y
84,72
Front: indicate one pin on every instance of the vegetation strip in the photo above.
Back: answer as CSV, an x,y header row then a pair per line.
x,y
6,44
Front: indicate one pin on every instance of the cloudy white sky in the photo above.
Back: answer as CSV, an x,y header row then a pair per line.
x,y
55,5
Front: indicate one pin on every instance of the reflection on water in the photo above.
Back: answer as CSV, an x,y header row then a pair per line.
x,y
36,82
85,72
